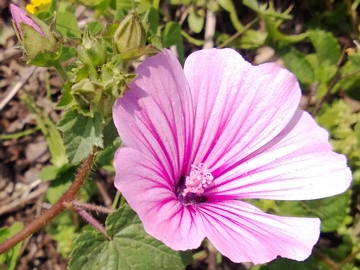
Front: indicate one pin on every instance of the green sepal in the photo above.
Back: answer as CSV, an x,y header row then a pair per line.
x,y
44,58
113,81
40,50
66,101
86,95
93,51
136,53
155,42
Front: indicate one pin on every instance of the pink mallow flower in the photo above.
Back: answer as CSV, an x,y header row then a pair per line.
x,y
198,142
20,16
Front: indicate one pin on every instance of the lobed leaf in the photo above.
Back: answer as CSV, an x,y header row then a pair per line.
x,y
81,134
127,246
326,46
9,258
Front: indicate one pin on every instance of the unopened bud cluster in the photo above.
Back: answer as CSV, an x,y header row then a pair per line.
x,y
101,73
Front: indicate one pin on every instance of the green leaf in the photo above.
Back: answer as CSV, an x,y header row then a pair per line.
x,y
120,14
253,4
230,7
62,182
126,246
180,2
252,39
332,211
105,158
63,232
153,20
196,21
281,263
326,46
124,4
110,134
328,119
59,185
171,34
9,258
81,134
67,53
355,58
350,82
66,24
297,63
95,27
66,100
51,172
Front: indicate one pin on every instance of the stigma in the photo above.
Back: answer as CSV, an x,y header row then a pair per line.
x,y
199,178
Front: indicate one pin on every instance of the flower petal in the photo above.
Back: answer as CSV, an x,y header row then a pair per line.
x,y
156,115
298,164
244,233
238,107
142,182
20,16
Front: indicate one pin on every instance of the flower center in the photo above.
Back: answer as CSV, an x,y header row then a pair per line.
x,y
200,177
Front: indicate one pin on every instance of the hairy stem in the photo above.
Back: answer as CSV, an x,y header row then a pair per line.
x,y
92,207
90,219
80,177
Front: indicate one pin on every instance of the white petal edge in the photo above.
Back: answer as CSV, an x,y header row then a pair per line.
x,y
244,233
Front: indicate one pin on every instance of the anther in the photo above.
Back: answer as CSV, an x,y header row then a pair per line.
x,y
200,177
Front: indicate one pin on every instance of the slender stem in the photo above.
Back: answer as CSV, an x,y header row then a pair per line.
x,y
116,200
349,75
335,79
226,42
122,201
19,134
92,207
348,259
60,69
353,16
56,209
329,262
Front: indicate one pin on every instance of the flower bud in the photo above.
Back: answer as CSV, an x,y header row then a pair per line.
x,y
38,42
130,34
93,51
20,16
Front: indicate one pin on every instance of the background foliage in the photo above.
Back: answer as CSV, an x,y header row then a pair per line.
x,y
316,40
